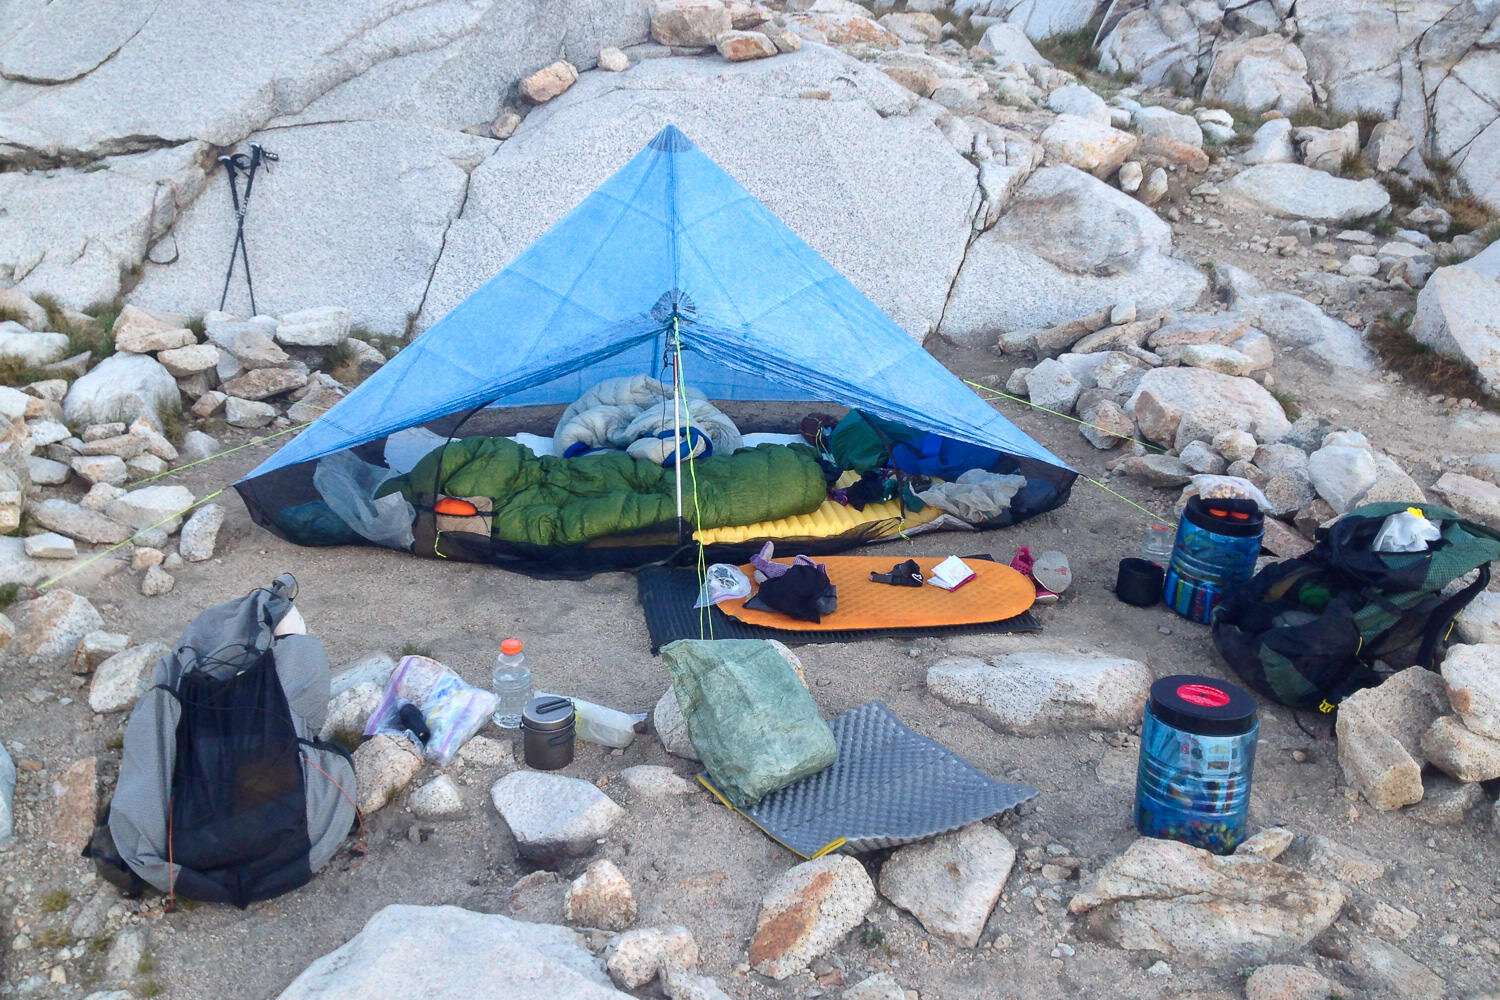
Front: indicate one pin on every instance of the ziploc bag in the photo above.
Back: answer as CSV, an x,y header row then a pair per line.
x,y
453,708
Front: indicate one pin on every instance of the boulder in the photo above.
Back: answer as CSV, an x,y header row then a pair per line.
x,y
30,349
807,911
17,303
247,413
48,629
1188,904
1292,190
1165,472
124,677
1380,730
1052,386
349,709
1155,44
157,582
1294,322
918,27
182,362
1182,392
463,954
1066,246
551,816
50,545
1163,123
151,507
600,897
1451,747
635,957
1272,143
327,326
1009,45
123,387
1388,145
1079,101
373,669
1341,862
547,82
1381,967
1035,693
1259,73
383,766
101,469
1480,621
1326,149
950,883
201,533
1470,497
689,23
1342,474
1458,315
438,800
1087,144
740,46
68,518
848,26
137,331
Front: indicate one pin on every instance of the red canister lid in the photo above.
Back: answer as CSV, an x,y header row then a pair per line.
x,y
1201,705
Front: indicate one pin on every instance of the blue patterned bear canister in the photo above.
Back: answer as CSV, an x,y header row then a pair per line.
x,y
1217,544
1197,757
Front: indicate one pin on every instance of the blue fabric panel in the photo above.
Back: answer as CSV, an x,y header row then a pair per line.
x,y
765,317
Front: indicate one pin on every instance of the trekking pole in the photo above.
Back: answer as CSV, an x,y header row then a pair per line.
x,y
230,168
258,155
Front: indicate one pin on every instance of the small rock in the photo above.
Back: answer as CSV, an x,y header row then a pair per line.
x,y
49,627
1154,189
122,962
600,897
807,911
1033,693
197,446
1471,498
546,83
951,882
124,677
96,647
1269,843
101,469
552,816
438,799
1465,755
383,766
742,46
1288,982
1130,177
1339,861
637,956
144,557
1380,731
72,801
201,533
651,781
157,582
247,413
503,127
679,984
881,986
324,327
671,728
50,545
613,60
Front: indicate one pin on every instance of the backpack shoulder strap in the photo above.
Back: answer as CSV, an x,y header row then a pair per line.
x,y
1440,622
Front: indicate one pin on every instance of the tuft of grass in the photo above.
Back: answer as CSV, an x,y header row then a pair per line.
x,y
1071,50
115,742
101,944
196,325
171,423
8,594
412,649
965,30
1392,339
15,372
13,315
1288,404
337,356
1318,116
152,988
145,965
94,336
871,937
56,901
1469,215
1355,167
55,937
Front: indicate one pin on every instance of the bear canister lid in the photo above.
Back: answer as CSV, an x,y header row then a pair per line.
x,y
1205,706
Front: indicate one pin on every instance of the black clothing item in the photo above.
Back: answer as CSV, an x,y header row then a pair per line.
x,y
802,592
903,574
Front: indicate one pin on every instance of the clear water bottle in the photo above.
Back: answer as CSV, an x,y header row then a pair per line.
x,y
1156,544
511,681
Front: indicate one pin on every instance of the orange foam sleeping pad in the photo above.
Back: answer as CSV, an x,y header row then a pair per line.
x,y
996,593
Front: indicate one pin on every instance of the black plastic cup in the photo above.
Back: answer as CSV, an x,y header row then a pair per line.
x,y
1139,582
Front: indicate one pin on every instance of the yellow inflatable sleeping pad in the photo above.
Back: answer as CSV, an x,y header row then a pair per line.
x,y
831,518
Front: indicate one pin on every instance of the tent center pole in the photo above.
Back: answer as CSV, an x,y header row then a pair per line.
x,y
677,414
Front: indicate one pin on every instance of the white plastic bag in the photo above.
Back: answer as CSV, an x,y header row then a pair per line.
x,y
348,486
1229,488
1406,531
453,709
722,582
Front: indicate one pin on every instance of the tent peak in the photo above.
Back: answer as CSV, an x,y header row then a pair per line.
x,y
671,140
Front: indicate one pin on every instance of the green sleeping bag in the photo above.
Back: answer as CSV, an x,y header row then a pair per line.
x,y
550,500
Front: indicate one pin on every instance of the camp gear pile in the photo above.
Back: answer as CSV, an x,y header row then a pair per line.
x,y
1307,632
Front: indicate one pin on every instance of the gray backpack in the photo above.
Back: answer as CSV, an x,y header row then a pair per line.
x,y
225,793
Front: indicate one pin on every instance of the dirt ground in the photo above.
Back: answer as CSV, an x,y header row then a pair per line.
x,y
691,861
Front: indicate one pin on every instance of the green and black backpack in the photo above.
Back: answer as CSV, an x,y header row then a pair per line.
x,y
1306,632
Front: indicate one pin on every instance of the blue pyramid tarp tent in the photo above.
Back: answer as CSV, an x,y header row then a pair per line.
x,y
671,245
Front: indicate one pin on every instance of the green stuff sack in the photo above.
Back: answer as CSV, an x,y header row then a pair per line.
x,y
754,725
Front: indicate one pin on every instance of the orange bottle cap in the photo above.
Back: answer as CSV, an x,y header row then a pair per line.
x,y
510,647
